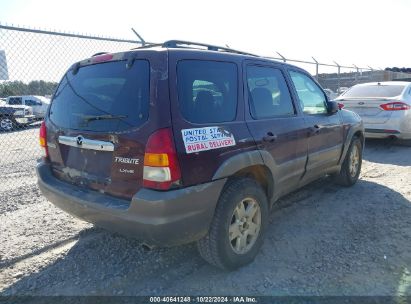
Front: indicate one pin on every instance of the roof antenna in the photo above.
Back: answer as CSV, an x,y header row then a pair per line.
x,y
143,42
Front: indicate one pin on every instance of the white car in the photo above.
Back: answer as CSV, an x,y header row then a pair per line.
x,y
38,104
385,108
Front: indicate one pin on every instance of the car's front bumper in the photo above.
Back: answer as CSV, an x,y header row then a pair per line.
x,y
24,120
158,218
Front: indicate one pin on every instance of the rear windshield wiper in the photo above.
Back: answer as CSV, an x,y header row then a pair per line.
x,y
88,118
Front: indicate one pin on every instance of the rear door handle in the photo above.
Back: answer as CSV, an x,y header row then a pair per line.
x,y
270,137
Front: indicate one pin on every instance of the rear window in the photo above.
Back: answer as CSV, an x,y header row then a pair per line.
x,y
374,91
103,97
207,90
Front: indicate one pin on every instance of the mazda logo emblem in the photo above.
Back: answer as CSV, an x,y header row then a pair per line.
x,y
79,140
361,103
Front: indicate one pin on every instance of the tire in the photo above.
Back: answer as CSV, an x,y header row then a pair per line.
x,y
348,176
7,124
247,238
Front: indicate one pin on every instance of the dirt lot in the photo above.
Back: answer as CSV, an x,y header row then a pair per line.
x,y
323,240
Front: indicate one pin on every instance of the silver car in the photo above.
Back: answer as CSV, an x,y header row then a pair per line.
x,y
385,108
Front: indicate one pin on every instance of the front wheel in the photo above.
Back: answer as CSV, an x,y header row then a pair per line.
x,y
237,229
351,167
7,124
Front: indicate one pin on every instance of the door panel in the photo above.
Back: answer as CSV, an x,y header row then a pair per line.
x,y
325,130
288,148
324,143
275,124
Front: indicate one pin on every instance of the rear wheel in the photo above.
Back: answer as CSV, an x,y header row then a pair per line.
x,y
351,167
7,124
237,230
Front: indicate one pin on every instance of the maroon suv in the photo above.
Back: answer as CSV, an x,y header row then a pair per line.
x,y
184,142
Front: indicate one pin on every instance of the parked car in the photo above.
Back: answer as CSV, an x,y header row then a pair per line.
x,y
12,117
38,104
385,108
163,144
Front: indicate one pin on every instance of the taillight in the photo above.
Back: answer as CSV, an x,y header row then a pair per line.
x,y
395,106
161,168
340,105
43,138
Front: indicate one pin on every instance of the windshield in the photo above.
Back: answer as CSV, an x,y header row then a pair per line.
x,y
374,90
118,96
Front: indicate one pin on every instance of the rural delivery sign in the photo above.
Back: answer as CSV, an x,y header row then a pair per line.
x,y
208,138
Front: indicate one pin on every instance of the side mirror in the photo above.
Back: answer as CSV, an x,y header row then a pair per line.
x,y
332,107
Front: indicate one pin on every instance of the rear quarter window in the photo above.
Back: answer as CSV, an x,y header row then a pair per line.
x,y
207,90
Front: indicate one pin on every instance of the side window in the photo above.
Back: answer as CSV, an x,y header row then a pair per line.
x,y
268,93
30,102
207,90
312,98
15,101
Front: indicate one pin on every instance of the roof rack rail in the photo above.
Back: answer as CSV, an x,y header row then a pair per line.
x,y
190,44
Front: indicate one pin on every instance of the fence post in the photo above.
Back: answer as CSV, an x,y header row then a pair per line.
x,y
338,76
316,68
356,74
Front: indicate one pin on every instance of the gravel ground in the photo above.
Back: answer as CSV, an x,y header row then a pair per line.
x,y
323,240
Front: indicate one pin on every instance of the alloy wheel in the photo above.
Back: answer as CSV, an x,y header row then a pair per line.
x,y
6,124
245,225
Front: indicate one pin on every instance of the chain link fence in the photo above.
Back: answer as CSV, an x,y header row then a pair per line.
x,y
32,61
336,78
31,64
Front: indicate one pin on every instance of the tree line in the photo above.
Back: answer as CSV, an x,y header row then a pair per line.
x,y
35,87
396,69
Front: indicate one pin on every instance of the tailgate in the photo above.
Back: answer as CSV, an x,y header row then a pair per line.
x,y
368,109
98,127
111,164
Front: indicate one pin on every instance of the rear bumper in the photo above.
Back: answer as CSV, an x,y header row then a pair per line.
x,y
384,133
156,218
398,125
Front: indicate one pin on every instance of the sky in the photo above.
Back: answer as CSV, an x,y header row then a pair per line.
x,y
360,32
